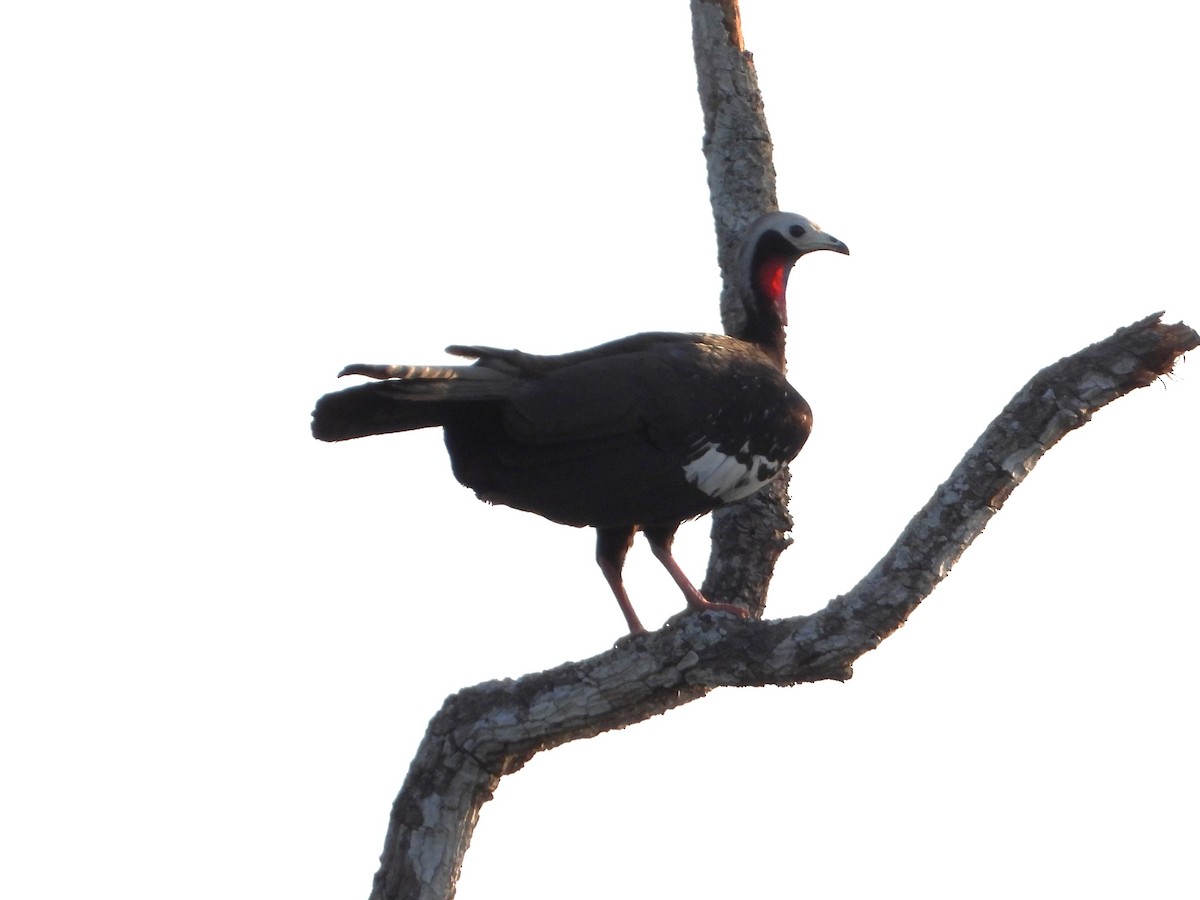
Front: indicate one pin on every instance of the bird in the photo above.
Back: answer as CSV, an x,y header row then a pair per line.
x,y
637,434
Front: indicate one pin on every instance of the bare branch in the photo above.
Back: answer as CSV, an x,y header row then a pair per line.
x,y
737,142
1059,399
485,732
747,538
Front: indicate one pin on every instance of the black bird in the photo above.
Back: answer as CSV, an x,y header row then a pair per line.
x,y
638,434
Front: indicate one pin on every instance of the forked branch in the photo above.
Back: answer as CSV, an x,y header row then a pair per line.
x,y
487,731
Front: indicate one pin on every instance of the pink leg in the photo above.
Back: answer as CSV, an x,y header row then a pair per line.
x,y
611,546
661,540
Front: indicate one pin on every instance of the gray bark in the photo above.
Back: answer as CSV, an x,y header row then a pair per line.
x,y
748,537
485,732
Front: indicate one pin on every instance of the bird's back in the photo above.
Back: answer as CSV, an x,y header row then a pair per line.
x,y
651,429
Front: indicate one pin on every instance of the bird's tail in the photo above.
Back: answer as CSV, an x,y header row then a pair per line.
x,y
403,399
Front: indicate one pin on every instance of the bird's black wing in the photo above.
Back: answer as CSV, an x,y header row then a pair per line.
x,y
604,436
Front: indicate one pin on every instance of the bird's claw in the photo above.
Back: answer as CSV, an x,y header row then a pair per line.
x,y
627,640
694,609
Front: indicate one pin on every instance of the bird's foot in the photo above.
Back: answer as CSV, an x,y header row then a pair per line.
x,y
694,607
702,605
627,640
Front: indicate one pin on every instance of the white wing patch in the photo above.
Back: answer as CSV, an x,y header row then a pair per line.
x,y
728,477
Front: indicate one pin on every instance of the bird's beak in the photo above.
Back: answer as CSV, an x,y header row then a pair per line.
x,y
819,240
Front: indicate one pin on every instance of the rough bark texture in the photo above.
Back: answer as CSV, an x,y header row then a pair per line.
x,y
737,142
747,537
484,732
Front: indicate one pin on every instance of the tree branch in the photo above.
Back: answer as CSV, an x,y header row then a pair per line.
x,y
487,731
747,538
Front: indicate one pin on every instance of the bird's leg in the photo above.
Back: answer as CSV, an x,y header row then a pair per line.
x,y
660,542
611,546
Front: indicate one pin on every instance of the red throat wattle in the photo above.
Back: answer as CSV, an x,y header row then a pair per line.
x,y
772,281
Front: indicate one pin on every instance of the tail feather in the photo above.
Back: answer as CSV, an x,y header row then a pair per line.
x,y
404,399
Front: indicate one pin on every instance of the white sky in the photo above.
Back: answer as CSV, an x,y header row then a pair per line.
x,y
221,640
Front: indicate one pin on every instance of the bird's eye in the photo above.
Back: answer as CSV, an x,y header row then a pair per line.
x,y
796,231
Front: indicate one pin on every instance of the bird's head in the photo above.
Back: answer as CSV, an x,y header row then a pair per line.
x,y
770,248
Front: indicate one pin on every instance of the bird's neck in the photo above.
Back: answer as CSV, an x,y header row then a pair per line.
x,y
766,312
765,331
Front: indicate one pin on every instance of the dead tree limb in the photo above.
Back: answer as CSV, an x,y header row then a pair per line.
x,y
485,732
747,537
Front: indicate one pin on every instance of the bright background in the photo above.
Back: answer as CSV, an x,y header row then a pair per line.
x,y
221,641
